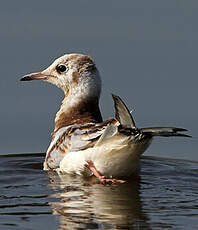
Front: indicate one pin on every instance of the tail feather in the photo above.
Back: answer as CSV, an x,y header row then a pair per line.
x,y
165,131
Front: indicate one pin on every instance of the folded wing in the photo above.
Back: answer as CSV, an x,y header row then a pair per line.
x,y
73,139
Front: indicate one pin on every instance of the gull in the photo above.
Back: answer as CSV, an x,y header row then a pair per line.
x,y
82,143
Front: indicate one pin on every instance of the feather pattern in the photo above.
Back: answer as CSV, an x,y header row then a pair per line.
x,y
73,139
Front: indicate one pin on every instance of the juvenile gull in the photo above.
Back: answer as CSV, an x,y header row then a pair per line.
x,y
82,143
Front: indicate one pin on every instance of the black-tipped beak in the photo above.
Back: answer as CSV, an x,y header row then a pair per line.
x,y
35,76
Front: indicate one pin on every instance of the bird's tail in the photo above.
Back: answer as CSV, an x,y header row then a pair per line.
x,y
126,120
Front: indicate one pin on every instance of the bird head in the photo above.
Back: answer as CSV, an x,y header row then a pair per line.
x,y
73,73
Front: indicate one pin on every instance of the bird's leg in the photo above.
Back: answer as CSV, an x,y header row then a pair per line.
x,y
90,165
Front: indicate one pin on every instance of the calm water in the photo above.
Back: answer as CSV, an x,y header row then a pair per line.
x,y
164,196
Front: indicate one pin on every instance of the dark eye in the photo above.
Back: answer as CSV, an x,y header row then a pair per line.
x,y
61,68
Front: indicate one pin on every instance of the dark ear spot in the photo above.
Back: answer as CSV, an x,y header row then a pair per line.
x,y
87,67
91,67
75,77
86,64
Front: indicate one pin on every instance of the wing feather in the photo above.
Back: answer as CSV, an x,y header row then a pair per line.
x,y
72,139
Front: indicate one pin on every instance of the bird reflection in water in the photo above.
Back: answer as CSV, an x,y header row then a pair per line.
x,y
88,205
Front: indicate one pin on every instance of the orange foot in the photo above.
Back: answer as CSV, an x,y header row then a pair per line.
x,y
102,179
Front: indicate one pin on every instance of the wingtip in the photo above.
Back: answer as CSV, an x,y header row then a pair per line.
x,y
122,114
183,135
115,97
24,79
180,130
177,130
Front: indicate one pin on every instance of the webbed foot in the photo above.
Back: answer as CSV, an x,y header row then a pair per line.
x,y
103,180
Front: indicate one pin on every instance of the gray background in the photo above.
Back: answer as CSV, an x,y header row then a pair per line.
x,y
145,50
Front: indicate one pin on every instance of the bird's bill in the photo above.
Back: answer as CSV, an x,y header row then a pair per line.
x,y
36,76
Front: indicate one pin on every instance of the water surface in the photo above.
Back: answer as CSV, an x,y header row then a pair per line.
x,y
163,196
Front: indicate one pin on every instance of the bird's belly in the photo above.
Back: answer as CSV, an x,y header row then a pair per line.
x,y
120,162
110,160
117,166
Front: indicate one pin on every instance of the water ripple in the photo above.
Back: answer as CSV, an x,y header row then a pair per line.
x,y
163,196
